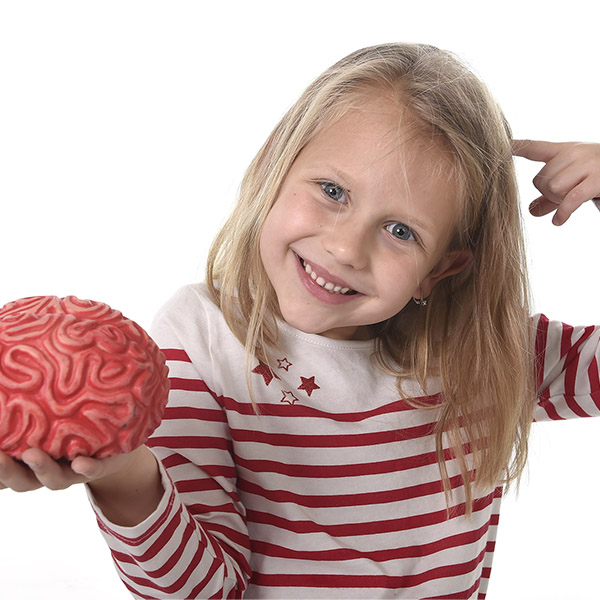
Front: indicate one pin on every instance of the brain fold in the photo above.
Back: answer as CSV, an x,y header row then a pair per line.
x,y
76,378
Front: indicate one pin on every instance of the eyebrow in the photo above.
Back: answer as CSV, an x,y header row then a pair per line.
x,y
344,177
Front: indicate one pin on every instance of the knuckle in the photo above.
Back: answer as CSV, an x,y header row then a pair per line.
x,y
574,197
556,187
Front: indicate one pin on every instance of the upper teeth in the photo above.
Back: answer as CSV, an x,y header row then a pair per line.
x,y
330,287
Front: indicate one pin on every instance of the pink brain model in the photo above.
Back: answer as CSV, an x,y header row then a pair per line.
x,y
76,378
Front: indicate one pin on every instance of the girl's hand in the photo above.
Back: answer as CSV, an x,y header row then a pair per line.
x,y
40,470
570,177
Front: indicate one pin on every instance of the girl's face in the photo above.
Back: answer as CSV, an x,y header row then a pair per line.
x,y
361,225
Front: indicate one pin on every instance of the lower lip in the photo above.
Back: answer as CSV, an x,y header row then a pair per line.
x,y
320,293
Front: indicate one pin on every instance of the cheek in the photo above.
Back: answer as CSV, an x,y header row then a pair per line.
x,y
293,216
398,271
278,232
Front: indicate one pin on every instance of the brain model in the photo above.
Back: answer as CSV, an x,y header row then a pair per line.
x,y
76,378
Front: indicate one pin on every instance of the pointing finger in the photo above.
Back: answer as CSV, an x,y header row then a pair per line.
x,y
535,150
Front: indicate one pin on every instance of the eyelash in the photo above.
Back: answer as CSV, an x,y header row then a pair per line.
x,y
390,228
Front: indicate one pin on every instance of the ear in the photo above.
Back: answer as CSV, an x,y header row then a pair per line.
x,y
451,263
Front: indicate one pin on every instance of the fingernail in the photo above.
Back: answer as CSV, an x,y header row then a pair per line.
x,y
534,208
84,472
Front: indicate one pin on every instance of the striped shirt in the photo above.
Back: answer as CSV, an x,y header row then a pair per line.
x,y
332,490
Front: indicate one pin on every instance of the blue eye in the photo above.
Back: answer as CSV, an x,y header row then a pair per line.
x,y
333,191
401,232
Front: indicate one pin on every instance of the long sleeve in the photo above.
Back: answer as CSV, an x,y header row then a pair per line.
x,y
195,545
567,370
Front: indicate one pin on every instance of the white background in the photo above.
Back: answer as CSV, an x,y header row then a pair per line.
x,y
125,128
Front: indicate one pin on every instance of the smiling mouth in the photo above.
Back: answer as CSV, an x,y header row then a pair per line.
x,y
332,288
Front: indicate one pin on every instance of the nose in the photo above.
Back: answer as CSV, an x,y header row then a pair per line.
x,y
348,241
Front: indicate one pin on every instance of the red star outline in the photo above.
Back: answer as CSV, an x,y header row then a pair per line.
x,y
265,371
289,397
284,363
308,384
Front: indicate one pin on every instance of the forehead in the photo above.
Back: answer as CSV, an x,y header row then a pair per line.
x,y
381,137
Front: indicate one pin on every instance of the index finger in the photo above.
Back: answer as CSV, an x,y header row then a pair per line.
x,y
535,149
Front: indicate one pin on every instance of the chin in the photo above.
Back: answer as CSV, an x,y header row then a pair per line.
x,y
303,325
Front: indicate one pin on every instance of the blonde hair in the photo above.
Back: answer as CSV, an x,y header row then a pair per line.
x,y
474,333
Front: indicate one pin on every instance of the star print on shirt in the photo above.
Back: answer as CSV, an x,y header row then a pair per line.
x,y
289,398
308,384
265,371
284,363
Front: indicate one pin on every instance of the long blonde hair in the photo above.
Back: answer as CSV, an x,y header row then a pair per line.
x,y
474,332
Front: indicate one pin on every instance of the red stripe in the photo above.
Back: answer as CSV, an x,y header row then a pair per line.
x,y
550,409
201,509
565,339
188,385
575,407
344,554
361,499
195,414
541,339
594,378
366,528
173,460
176,354
464,595
203,485
233,535
351,470
199,485
121,557
570,368
333,441
299,410
191,442
346,581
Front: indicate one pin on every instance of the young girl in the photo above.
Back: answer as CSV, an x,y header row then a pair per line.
x,y
354,384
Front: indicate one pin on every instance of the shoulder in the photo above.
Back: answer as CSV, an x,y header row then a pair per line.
x,y
190,304
190,318
191,330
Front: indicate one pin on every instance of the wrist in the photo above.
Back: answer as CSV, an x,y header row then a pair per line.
x,y
130,495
